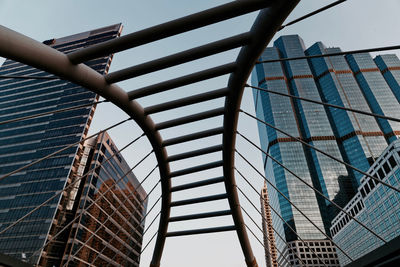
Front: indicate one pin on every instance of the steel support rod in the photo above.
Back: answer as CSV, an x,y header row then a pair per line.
x,y
198,200
203,231
193,136
312,13
200,215
197,184
179,58
198,168
191,118
183,80
181,25
265,26
195,153
187,101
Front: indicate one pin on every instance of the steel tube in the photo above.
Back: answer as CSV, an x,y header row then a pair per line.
x,y
184,24
179,58
198,184
183,80
263,29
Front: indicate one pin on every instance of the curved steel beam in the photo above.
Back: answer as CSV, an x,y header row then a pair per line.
x,y
23,49
267,23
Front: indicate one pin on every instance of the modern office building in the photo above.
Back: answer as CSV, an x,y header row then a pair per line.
x,y
109,207
353,81
268,232
375,205
22,142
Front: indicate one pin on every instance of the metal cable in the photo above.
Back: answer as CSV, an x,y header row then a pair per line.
x,y
148,243
313,188
51,112
100,197
283,220
360,51
287,199
115,234
61,150
265,235
66,188
312,13
321,151
326,104
154,219
135,228
29,77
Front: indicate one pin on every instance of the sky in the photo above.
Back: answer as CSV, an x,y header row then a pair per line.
x,y
355,24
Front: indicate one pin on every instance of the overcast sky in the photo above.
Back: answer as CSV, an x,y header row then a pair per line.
x,y
355,24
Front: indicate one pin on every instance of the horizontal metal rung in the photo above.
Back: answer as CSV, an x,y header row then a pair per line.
x,y
190,118
171,28
180,58
200,215
198,184
202,231
187,101
182,81
195,153
193,136
199,168
198,200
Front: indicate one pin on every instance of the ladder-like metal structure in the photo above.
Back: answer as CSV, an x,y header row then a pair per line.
x,y
70,67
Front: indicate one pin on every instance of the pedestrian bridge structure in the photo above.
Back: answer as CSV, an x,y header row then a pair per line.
x,y
272,14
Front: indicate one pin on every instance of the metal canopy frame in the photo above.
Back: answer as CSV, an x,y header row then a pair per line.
x,y
272,13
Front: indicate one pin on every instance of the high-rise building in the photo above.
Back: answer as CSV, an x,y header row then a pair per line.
x,y
268,231
23,142
353,81
374,205
110,207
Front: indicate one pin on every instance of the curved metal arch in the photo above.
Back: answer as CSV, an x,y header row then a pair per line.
x,y
265,26
23,49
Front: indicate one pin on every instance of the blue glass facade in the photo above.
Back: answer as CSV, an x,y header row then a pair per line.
x,y
389,65
375,205
354,138
25,141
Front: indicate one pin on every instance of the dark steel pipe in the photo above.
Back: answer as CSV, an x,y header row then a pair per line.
x,y
193,136
182,81
194,169
191,118
200,215
187,101
197,184
184,24
198,200
263,29
179,58
202,231
195,153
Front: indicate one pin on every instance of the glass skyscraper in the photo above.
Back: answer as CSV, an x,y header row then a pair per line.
x,y
353,81
22,142
111,206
